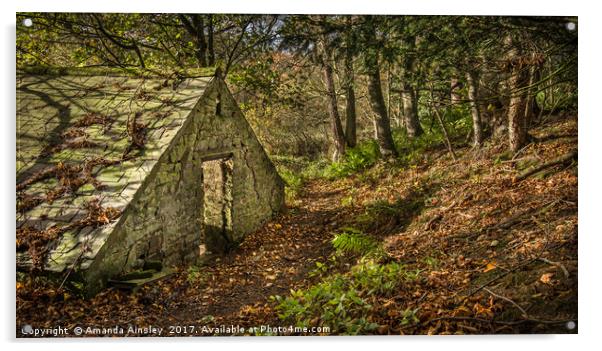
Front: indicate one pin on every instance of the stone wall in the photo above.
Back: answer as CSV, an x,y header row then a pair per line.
x,y
165,221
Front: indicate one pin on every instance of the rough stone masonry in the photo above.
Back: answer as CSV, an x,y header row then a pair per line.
x,y
200,181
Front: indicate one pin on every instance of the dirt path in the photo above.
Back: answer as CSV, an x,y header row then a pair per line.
x,y
235,289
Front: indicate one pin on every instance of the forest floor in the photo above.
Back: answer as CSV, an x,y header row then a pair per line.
x,y
493,253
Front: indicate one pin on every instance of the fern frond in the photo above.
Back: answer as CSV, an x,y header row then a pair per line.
x,y
354,241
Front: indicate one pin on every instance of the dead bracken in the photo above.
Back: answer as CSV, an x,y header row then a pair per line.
x,y
70,178
92,118
36,241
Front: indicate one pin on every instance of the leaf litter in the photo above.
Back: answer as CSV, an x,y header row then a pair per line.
x,y
494,255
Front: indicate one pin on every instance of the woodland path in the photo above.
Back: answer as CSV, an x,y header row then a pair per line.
x,y
271,261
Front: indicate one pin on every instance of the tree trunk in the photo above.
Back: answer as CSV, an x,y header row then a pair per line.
x,y
517,126
531,107
409,96
335,120
196,29
381,120
410,112
210,40
398,118
389,91
473,95
201,45
351,116
382,125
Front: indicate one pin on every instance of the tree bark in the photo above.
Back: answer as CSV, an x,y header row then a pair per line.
x,y
381,120
350,113
382,124
210,41
473,96
410,112
335,120
409,95
399,118
531,107
517,123
201,51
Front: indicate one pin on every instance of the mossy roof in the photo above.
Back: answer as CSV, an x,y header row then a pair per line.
x,y
73,119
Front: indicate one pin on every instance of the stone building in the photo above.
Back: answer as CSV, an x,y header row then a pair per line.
x,y
118,172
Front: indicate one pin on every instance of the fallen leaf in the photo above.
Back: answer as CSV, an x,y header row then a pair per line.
x,y
490,266
462,311
546,278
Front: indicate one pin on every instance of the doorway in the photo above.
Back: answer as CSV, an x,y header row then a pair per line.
x,y
217,203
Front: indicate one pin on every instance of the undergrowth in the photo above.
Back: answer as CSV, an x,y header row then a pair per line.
x,y
412,151
356,159
295,171
343,302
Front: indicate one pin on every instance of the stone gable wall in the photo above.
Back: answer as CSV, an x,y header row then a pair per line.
x,y
165,219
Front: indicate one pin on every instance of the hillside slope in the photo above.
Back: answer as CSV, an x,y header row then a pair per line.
x,y
439,247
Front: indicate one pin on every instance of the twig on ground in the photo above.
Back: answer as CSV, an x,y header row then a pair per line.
x,y
500,276
517,159
522,310
519,152
557,264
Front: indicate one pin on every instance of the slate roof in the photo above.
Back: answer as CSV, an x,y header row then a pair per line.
x,y
72,119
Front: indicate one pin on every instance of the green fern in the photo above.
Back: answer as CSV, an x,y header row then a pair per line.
x,y
355,160
354,241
